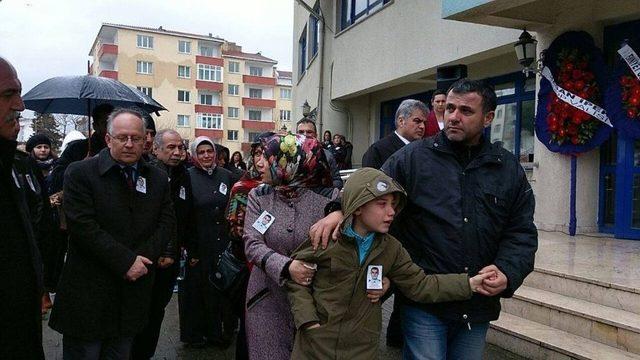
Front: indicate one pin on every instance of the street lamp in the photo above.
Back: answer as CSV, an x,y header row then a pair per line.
x,y
306,109
526,52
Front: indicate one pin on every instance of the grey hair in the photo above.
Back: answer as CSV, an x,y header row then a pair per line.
x,y
158,141
117,112
409,106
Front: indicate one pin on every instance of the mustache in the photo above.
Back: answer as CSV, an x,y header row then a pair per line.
x,y
12,116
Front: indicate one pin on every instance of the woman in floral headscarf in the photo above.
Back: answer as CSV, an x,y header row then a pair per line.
x,y
279,214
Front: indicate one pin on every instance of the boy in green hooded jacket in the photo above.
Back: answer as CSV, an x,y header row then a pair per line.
x,y
334,317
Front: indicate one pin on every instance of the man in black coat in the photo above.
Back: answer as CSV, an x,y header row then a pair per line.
x,y
20,264
120,218
169,151
470,209
411,118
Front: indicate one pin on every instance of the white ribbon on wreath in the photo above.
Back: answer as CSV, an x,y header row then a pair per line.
x,y
631,58
575,100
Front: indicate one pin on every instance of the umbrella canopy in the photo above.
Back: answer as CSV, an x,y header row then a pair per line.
x,y
80,94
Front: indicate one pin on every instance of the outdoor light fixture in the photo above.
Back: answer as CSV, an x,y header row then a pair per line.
x,y
306,108
526,52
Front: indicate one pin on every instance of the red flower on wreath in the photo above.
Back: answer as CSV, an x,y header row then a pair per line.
x,y
566,123
630,95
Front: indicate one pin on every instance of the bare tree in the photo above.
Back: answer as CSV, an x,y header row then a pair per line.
x,y
69,122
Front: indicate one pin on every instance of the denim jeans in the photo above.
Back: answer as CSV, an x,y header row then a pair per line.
x,y
110,349
428,337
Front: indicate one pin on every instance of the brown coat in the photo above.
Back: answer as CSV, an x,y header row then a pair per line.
x,y
349,323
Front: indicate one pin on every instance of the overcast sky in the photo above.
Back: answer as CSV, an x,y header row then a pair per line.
x,y
47,38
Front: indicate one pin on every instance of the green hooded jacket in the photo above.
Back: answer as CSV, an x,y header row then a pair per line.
x,y
349,323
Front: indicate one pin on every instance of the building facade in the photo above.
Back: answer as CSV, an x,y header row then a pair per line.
x,y
209,85
358,60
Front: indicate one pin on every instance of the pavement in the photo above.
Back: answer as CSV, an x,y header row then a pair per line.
x,y
170,347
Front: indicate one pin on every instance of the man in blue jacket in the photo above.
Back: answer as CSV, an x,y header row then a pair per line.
x,y
470,209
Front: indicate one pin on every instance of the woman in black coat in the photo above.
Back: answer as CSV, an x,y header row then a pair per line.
x,y
205,316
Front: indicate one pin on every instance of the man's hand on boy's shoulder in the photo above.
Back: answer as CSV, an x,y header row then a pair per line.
x,y
375,295
325,228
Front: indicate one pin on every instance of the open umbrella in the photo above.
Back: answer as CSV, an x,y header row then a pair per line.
x,y
80,94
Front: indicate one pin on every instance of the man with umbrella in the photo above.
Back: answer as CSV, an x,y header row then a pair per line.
x,y
20,265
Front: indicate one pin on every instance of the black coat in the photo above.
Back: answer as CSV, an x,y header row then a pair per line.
x,y
461,219
75,151
20,263
381,150
109,225
181,195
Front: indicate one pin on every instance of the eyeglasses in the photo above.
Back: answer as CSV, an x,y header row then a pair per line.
x,y
123,139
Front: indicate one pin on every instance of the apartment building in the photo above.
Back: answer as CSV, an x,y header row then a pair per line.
x,y
209,85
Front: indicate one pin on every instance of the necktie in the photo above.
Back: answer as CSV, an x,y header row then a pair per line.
x,y
129,173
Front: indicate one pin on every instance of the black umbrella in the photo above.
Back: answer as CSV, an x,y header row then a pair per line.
x,y
79,94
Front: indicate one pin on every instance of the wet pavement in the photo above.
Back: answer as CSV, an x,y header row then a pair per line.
x,y
170,347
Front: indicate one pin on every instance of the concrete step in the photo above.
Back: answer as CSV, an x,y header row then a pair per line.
x,y
595,291
603,324
536,341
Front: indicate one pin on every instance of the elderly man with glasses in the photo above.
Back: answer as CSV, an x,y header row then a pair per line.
x,y
120,219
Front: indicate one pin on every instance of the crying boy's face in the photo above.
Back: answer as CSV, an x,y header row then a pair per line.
x,y
377,215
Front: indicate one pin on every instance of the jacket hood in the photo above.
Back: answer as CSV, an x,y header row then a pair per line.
x,y
365,185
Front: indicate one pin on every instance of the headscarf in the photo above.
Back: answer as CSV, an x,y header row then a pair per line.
x,y
239,196
194,156
71,137
294,162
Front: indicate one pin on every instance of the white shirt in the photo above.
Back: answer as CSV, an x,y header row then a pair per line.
x,y
441,125
405,141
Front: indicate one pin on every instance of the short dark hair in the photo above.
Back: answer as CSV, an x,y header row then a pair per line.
x,y
465,86
437,92
307,120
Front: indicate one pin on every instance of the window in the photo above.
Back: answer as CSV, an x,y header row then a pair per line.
x,y
183,120
285,115
144,67
234,67
285,93
255,71
206,99
206,50
144,41
210,121
255,93
232,135
233,112
252,136
146,90
233,89
184,47
314,25
255,115
352,11
302,51
184,71
183,96
209,73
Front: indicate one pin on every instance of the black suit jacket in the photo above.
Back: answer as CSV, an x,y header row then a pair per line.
x,y
109,225
381,150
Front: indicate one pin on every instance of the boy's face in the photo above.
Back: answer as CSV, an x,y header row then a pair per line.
x,y
374,273
377,214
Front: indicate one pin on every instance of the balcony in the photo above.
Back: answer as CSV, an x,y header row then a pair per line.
x,y
258,125
111,74
261,103
209,109
108,50
208,85
258,80
210,133
209,60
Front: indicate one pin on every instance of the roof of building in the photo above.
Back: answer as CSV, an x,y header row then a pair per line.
x,y
158,30
248,56
284,74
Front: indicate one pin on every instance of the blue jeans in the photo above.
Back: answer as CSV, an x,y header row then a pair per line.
x,y
428,337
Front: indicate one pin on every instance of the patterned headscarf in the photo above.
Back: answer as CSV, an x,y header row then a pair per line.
x,y
240,193
295,161
194,156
